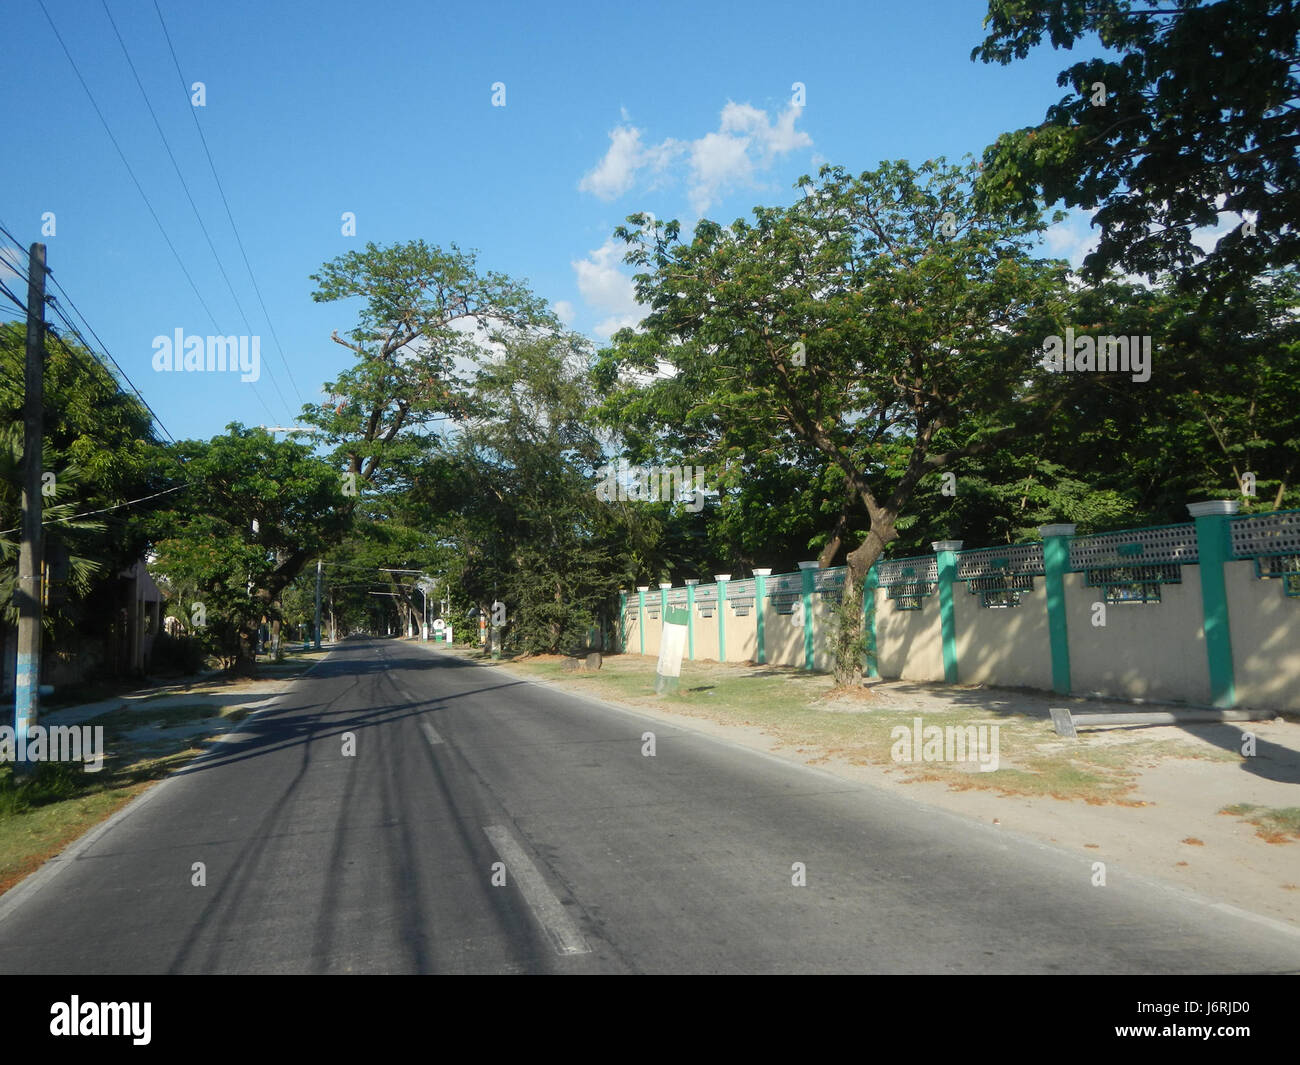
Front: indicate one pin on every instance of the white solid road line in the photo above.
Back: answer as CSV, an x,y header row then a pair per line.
x,y
430,734
548,910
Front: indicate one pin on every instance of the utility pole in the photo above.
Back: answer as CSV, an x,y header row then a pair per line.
x,y
319,566
27,674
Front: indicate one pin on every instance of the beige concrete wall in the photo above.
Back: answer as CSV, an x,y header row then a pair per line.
x,y
824,608
909,643
654,622
742,636
631,631
1151,651
1265,639
1008,646
783,639
1146,650
706,635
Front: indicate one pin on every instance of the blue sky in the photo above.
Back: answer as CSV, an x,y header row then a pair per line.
x,y
385,110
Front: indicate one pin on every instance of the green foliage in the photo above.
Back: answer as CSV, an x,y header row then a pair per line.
x,y
883,327
99,446
256,510
421,308
1199,117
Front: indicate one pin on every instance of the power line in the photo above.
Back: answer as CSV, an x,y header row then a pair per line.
x,y
21,305
184,185
213,167
103,510
122,155
140,188
50,330
58,310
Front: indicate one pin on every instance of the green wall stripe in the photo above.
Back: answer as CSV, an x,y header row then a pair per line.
x,y
947,617
1056,564
1213,551
869,586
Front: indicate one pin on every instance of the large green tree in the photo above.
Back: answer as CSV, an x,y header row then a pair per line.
x,y
421,308
884,322
101,465
1193,110
516,494
256,509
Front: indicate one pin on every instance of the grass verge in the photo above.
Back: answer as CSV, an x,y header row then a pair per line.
x,y
1278,824
43,811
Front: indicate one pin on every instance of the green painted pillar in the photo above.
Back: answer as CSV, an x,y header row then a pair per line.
x,y
870,584
1056,564
721,579
663,610
622,621
760,598
690,617
808,574
1213,550
946,550
641,589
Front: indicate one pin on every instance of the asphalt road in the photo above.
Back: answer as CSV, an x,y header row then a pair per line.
x,y
489,825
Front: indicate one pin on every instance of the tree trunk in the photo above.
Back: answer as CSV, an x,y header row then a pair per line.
x,y
245,663
849,640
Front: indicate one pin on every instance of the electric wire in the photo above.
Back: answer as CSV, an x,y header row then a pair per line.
x,y
140,188
185,185
226,203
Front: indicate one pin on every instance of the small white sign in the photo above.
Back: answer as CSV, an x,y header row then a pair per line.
x,y
439,625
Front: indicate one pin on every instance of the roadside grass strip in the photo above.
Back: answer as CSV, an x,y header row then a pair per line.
x,y
1280,824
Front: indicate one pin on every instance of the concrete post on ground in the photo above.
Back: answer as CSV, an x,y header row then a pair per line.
x,y
946,550
641,589
760,614
808,574
622,621
1056,564
1213,549
721,580
690,617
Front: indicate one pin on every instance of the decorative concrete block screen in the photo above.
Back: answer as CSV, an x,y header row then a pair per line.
x,y
1203,612
1273,542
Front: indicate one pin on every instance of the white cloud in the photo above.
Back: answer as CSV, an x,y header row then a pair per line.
x,y
1072,239
746,142
606,289
614,174
564,311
